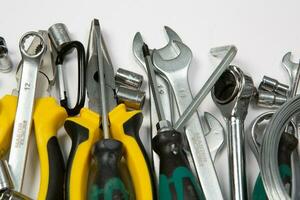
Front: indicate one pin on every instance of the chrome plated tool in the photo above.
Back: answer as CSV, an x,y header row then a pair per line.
x,y
5,61
293,70
232,94
174,168
129,79
63,46
176,72
165,91
269,99
23,119
273,85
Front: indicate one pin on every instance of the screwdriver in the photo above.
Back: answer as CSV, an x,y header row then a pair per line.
x,y
176,181
107,152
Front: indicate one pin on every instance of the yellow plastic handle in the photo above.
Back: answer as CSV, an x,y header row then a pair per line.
x,y
8,107
48,118
123,124
84,132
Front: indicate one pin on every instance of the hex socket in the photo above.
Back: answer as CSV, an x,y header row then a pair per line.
x,y
5,176
273,85
129,79
268,99
132,98
59,35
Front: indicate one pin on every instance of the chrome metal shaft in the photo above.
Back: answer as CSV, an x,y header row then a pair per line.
x,y
23,119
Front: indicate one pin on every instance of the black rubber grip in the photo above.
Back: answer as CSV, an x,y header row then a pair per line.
x,y
107,182
287,144
132,128
78,134
56,171
174,168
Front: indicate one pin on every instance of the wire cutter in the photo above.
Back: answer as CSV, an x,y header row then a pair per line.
x,y
48,117
86,130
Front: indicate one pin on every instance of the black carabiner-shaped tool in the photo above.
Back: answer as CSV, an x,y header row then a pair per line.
x,y
64,102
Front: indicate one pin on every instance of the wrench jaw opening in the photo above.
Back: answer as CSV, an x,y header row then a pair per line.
x,y
257,127
167,52
215,134
181,61
293,70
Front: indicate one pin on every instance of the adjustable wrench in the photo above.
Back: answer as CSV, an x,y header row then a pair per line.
x,y
23,119
176,72
293,70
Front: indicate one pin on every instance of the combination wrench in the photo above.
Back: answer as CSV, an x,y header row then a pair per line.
x,y
232,94
176,71
214,141
167,52
293,70
23,118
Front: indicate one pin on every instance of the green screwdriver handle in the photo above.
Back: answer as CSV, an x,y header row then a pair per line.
x,y
176,181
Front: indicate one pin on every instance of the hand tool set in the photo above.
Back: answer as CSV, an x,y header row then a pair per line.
x,y
110,156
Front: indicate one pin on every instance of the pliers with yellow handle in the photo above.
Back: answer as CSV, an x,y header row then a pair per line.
x,y
86,133
48,117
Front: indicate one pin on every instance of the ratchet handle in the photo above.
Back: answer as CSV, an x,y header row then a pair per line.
x,y
107,182
176,181
84,133
125,127
48,118
8,107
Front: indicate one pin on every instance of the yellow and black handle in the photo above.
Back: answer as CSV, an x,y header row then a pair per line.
x,y
84,133
125,126
8,107
48,118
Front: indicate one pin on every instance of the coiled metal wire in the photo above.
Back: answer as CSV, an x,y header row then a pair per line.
x,y
269,149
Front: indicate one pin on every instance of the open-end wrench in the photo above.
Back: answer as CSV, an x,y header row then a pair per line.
x,y
167,52
23,119
176,71
215,134
164,88
293,70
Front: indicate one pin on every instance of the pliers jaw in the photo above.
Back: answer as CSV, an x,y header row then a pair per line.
x,y
92,76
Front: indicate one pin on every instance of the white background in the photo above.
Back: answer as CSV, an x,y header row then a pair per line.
x,y
263,31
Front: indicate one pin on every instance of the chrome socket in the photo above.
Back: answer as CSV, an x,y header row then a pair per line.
x,y
5,177
13,195
129,79
132,98
5,61
59,35
269,99
273,85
